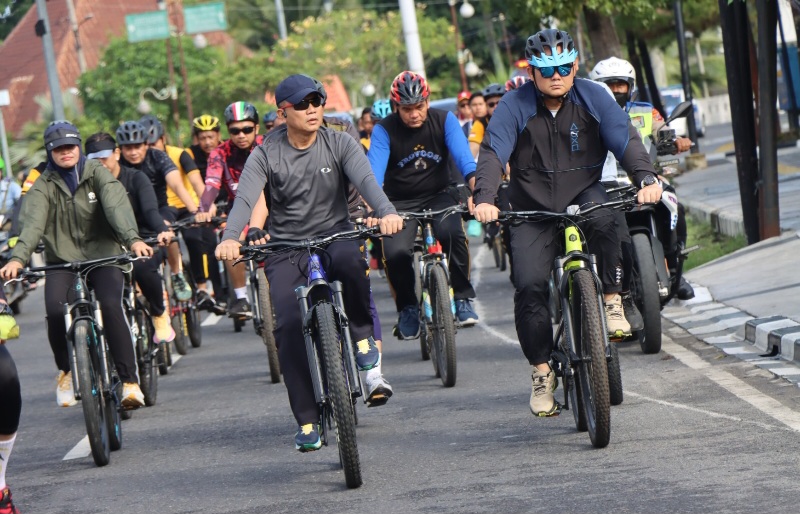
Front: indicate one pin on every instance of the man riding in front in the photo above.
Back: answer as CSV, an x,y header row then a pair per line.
x,y
555,132
409,155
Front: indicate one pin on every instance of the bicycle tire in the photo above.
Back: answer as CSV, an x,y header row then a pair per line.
x,y
444,329
615,392
572,387
417,276
502,250
338,392
268,326
181,332
91,390
644,286
113,416
148,372
193,327
498,259
592,366
163,358
425,343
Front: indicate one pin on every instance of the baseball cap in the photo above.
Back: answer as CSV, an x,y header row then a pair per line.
x,y
60,134
294,88
464,95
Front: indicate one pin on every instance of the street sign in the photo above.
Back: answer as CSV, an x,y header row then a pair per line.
x,y
147,26
205,18
4,98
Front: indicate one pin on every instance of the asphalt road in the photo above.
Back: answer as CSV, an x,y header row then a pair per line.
x,y
699,431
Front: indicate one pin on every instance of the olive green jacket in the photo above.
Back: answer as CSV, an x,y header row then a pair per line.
x,y
96,222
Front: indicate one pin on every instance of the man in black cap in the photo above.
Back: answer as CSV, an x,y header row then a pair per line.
x,y
305,167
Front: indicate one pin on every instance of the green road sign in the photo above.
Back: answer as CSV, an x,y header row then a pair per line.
x,y
205,18
147,26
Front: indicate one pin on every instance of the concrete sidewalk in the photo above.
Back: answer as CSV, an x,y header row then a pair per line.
x,y
753,294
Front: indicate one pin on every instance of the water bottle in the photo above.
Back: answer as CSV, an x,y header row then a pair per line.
x,y
426,306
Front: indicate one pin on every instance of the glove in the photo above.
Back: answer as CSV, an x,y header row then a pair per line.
x,y
255,234
12,241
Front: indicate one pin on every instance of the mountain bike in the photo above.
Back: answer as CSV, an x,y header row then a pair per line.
x,y
94,377
263,322
184,313
137,313
581,352
329,347
437,308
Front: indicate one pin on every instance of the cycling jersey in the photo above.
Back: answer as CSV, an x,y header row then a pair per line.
x,y
156,165
143,200
199,157
478,129
186,166
225,165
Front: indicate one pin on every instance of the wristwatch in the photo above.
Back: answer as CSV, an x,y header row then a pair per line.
x,y
649,180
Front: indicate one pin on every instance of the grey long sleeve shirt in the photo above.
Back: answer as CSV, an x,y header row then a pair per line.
x,y
306,190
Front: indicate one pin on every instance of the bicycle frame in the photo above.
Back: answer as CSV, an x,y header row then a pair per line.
x,y
432,255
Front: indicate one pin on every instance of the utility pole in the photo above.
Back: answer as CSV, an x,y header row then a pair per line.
x,y
685,79
408,15
281,19
186,90
73,21
5,100
43,31
459,46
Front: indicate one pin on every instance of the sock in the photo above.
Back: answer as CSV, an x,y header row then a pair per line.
x,y
241,292
5,452
374,372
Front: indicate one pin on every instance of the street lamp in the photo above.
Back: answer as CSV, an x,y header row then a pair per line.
x,y
368,89
467,11
162,94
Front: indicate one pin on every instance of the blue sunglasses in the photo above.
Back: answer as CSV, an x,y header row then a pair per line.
x,y
549,71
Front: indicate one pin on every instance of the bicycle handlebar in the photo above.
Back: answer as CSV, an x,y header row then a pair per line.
x,y
570,214
429,214
274,247
77,266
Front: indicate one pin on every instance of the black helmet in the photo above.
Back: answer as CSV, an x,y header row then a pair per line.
x,y
155,130
493,90
240,111
131,133
320,88
535,48
409,88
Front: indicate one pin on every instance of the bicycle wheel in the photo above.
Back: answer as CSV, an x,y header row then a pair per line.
x,y
163,358
112,410
591,366
502,251
91,390
193,327
496,249
644,287
181,332
444,329
573,389
614,377
338,392
425,344
148,374
268,326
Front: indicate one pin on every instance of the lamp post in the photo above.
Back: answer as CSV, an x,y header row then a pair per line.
x,y
5,100
502,19
162,94
466,11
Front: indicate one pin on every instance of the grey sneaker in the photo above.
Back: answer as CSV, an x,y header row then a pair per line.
x,y
616,324
632,313
378,390
543,403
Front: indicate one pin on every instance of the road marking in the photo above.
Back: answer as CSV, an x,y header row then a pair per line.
x,y
81,450
476,279
735,386
211,319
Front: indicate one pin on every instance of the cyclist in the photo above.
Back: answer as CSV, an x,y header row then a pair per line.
x,y
10,401
81,212
304,169
491,95
409,155
620,77
462,106
225,166
269,120
477,105
132,139
103,147
578,123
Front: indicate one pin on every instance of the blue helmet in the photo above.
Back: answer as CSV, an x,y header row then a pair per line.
x,y
381,109
550,38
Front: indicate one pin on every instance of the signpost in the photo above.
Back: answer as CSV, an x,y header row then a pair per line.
x,y
5,100
147,26
205,18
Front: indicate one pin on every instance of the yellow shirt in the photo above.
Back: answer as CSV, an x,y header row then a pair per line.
x,y
476,132
172,199
30,179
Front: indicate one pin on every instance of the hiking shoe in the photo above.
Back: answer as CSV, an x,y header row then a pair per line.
x,y
181,288
616,324
8,325
465,313
6,504
307,438
132,397
632,313
543,403
240,309
378,390
65,396
367,354
685,290
164,333
408,323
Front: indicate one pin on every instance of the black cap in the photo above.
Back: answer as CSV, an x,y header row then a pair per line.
x,y
60,134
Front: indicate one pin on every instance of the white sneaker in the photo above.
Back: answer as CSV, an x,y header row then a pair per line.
x,y
65,395
543,403
378,390
616,323
132,397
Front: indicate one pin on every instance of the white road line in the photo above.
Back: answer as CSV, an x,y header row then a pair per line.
x,y
80,451
211,319
476,279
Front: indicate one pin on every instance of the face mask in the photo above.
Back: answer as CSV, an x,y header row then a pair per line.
x,y
622,99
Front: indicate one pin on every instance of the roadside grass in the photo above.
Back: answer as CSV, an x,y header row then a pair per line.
x,y
712,244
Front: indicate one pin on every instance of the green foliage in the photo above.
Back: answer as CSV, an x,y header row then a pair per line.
x,y
11,11
712,244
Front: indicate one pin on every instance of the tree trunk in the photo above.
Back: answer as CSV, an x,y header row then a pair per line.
x,y
602,34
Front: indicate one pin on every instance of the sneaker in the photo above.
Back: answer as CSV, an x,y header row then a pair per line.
x,y
408,323
632,313
164,333
307,438
543,403
378,390
8,325
616,324
65,396
685,290
465,313
132,397
6,504
204,301
240,309
181,288
367,354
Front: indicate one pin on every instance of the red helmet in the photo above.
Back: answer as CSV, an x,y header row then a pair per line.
x,y
409,88
516,82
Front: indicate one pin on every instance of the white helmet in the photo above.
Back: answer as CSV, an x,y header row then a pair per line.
x,y
614,69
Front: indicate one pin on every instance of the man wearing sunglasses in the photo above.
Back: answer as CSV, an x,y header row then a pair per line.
x,y
555,132
491,95
303,170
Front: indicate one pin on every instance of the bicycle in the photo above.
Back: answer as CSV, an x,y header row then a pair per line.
x,y
185,314
437,306
581,352
329,347
263,321
94,377
138,315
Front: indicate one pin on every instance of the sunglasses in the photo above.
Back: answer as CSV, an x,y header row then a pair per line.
x,y
549,71
492,104
236,131
303,105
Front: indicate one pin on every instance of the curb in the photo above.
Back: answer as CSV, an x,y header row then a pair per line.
x,y
777,335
